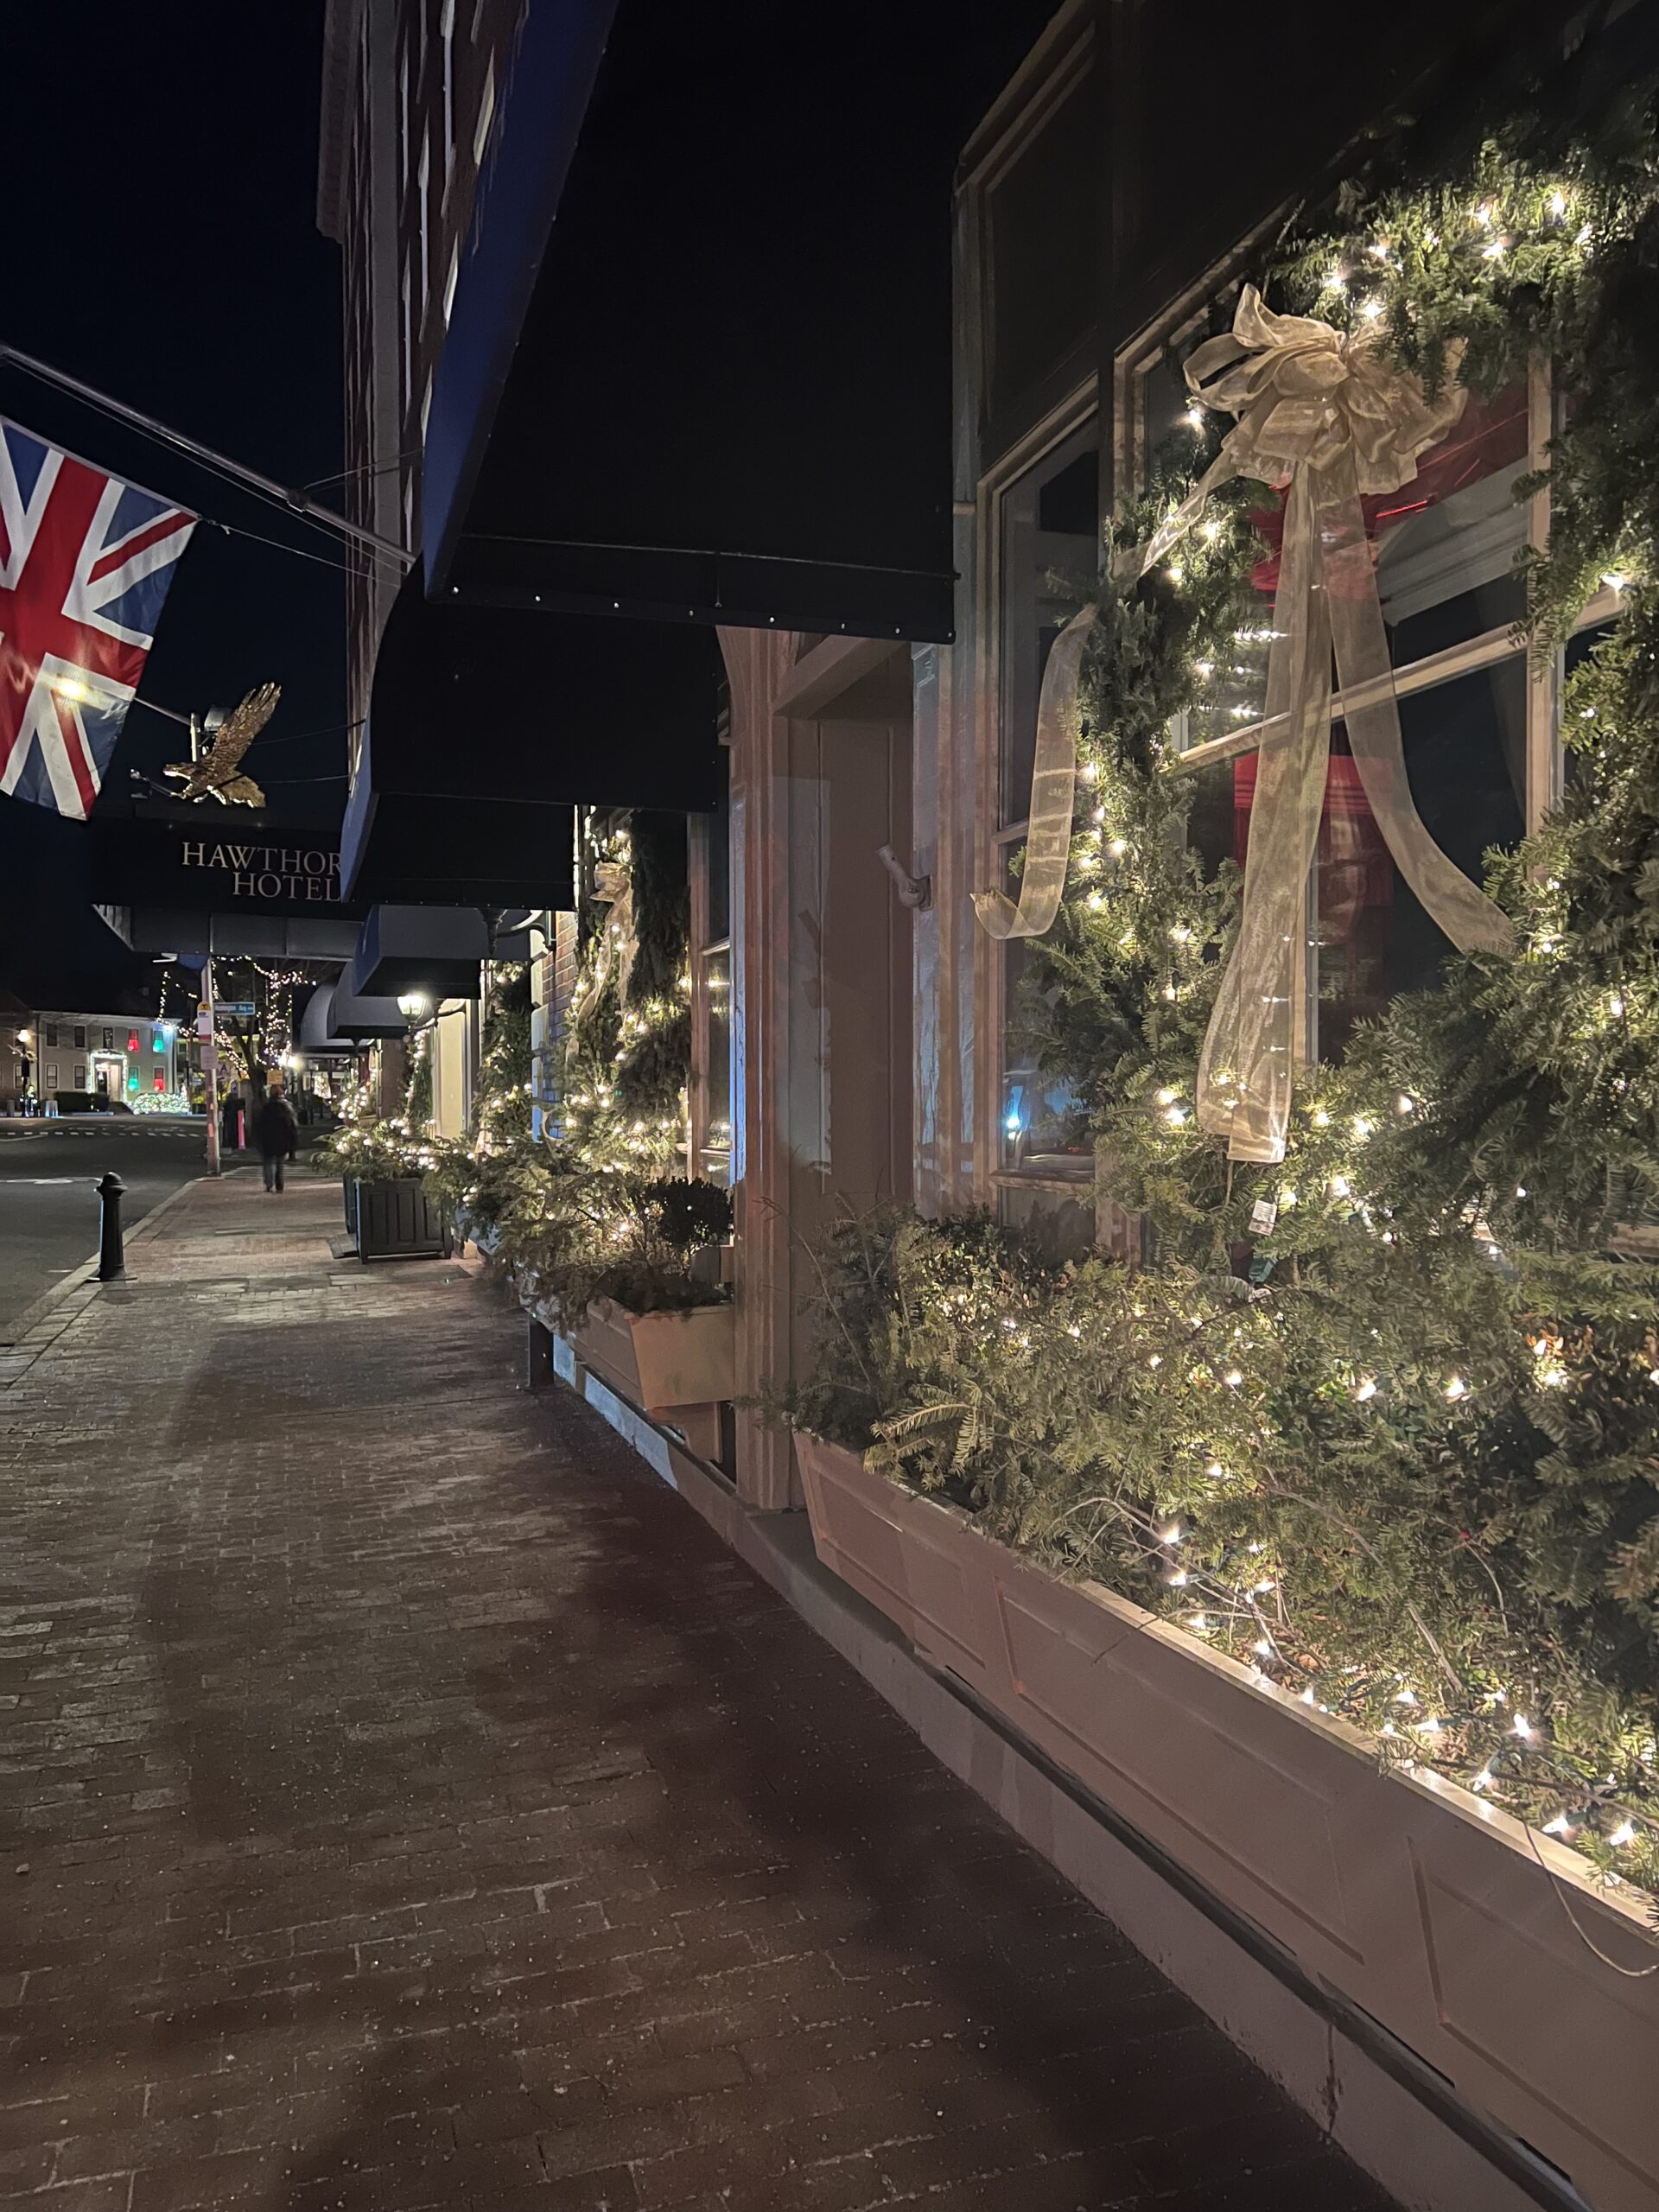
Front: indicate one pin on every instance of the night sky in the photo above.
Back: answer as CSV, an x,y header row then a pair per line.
x,y
162,244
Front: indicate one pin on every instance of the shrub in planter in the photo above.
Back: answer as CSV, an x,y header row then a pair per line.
x,y
628,1239
371,1149
392,1207
1208,1449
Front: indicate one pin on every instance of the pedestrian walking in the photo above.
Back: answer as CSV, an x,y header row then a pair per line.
x,y
277,1134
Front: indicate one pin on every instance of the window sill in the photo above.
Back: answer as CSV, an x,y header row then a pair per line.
x,y
1051,1174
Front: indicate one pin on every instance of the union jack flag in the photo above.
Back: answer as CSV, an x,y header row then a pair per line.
x,y
84,563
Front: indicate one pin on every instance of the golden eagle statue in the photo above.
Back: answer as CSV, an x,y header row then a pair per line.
x,y
216,773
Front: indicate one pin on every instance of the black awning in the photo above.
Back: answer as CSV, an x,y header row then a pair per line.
x,y
488,727
727,394
354,1017
436,951
317,1022
412,846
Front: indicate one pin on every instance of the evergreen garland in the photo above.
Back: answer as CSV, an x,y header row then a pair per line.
x,y
583,1212
503,1115
625,1056
417,1096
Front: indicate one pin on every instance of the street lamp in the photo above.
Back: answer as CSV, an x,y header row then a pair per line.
x,y
412,1004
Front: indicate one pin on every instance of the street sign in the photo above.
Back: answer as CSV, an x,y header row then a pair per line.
x,y
236,1009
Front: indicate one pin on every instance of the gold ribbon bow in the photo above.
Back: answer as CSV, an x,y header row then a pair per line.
x,y
1332,420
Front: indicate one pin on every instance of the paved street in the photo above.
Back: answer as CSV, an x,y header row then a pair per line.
x,y
410,1802
48,1210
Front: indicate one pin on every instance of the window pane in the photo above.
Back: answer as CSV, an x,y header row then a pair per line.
x,y
1212,831
1044,1121
716,1148
1234,689
1051,536
1446,542
1043,249
1057,1227
720,858
1465,754
1165,401
1579,650
1465,761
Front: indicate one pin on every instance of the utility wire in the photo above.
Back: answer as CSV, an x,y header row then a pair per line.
x,y
296,736
292,503
299,552
364,468
227,472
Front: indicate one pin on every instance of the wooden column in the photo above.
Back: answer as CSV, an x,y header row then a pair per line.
x,y
759,896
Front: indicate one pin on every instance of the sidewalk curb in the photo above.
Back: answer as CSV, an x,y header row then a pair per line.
x,y
22,1325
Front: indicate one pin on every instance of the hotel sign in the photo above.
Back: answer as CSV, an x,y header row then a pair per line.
x,y
298,875
187,861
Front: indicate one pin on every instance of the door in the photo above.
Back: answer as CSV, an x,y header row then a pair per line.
x,y
849,1078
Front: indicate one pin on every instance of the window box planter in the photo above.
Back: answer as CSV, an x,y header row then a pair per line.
x,y
1438,1913
676,1367
396,1220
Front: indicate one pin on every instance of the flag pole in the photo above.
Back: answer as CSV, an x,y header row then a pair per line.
x,y
297,502
210,1049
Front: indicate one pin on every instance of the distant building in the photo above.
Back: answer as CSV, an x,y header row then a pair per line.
x,y
119,1057
16,1040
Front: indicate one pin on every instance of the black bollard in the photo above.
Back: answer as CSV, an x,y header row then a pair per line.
x,y
112,1261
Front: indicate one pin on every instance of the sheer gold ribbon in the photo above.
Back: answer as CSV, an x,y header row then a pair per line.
x,y
1332,420
1053,795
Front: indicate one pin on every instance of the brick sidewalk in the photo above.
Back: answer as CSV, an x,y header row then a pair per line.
x,y
413,1804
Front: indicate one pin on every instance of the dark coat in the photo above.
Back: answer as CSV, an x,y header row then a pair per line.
x,y
275,1129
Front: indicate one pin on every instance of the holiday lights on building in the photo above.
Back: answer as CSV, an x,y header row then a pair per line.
x,y
1136,955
